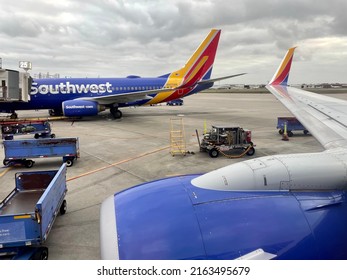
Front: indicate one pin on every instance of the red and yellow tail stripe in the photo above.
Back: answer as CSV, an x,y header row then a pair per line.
x,y
282,73
193,71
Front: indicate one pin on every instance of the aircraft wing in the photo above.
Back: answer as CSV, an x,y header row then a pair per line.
x,y
219,79
125,97
323,116
140,95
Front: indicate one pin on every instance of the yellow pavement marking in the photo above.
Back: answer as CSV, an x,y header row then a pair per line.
x,y
5,171
118,163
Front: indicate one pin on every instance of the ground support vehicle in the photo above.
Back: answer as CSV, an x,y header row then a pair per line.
x,y
21,151
176,102
28,213
292,125
40,129
224,138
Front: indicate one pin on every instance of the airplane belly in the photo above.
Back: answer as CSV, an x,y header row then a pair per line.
x,y
233,228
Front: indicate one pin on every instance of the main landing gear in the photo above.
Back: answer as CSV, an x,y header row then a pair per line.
x,y
13,116
55,112
117,114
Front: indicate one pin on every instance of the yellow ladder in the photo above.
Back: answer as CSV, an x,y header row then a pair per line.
x,y
177,137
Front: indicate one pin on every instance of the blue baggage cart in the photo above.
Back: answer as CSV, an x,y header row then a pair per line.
x,y
28,213
21,151
292,125
40,129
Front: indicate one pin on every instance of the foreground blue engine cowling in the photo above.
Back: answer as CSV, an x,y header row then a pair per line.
x,y
172,219
81,108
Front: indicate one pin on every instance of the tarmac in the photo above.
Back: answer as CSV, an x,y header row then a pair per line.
x,y
118,154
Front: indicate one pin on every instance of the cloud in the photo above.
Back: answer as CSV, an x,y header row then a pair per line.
x,y
117,38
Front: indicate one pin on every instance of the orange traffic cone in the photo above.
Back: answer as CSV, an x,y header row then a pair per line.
x,y
285,134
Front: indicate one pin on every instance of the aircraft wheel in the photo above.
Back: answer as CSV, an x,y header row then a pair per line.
x,y
117,114
55,112
14,116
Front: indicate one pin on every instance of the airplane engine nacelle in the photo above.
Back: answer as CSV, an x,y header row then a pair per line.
x,y
81,108
310,171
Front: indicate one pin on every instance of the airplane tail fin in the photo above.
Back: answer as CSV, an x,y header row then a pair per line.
x,y
199,66
282,73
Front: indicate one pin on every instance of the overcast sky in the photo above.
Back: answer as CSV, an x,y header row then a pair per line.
x,y
114,38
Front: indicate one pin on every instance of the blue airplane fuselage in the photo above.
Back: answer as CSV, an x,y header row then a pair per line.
x,y
78,97
51,93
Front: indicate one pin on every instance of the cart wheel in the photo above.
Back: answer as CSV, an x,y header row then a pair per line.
x,y
213,153
63,207
40,254
69,162
305,132
29,163
52,135
37,136
280,131
251,152
6,162
290,134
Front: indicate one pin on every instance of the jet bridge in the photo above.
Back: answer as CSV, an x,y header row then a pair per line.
x,y
14,86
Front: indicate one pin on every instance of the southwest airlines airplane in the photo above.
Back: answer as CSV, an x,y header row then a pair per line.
x,y
290,206
78,97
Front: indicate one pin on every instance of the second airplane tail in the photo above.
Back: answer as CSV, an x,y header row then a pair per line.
x,y
282,73
199,66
